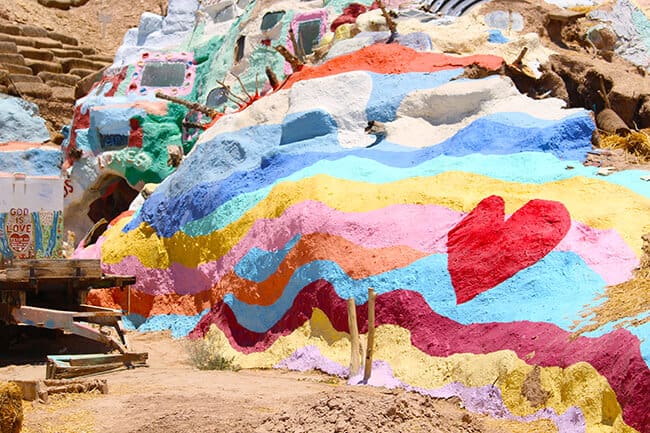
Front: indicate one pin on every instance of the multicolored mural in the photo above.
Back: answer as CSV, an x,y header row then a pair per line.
x,y
484,237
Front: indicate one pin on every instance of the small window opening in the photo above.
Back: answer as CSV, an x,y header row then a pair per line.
x,y
239,48
271,19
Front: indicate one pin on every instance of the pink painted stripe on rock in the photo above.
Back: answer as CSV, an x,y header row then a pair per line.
x,y
421,227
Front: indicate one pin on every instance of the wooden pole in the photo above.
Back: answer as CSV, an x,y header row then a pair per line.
x,y
208,111
355,361
295,62
371,334
273,79
128,300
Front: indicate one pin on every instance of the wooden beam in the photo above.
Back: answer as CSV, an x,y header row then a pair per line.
x,y
371,334
354,338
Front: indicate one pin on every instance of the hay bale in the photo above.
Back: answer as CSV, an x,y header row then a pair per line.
x,y
636,143
11,408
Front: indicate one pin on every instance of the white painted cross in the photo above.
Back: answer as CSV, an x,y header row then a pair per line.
x,y
104,19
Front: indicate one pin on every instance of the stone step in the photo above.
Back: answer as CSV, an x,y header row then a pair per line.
x,y
99,58
65,53
47,43
12,59
81,72
18,40
36,90
24,78
36,54
63,94
37,32
18,69
86,50
9,29
64,39
8,47
40,66
4,89
73,63
69,79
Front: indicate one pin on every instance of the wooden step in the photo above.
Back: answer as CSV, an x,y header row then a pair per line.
x,y
12,59
9,29
18,69
63,5
86,50
36,54
64,39
68,79
18,40
63,94
37,32
54,83
35,90
74,63
100,58
66,53
47,43
24,78
40,66
82,72
8,47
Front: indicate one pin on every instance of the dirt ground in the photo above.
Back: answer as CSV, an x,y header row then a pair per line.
x,y
171,396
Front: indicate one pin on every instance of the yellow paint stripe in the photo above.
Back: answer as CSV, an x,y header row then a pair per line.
x,y
577,385
599,204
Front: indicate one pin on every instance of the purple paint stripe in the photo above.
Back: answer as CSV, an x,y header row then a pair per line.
x,y
484,400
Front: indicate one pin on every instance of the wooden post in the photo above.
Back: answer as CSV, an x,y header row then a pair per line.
x,y
355,360
295,62
128,300
208,111
371,334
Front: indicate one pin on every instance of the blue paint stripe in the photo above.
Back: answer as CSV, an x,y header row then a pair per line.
x,y
176,203
38,235
53,234
539,293
4,244
525,167
258,264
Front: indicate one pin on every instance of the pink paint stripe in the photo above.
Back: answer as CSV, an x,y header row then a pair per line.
x,y
421,227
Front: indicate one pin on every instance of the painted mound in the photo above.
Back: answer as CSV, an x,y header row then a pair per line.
x,y
484,247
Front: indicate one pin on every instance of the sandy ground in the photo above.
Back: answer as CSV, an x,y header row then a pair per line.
x,y
171,396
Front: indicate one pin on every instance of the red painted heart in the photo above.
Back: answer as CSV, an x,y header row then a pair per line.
x,y
484,250
19,243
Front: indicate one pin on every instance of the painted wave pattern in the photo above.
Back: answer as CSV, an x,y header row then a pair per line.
x,y
256,246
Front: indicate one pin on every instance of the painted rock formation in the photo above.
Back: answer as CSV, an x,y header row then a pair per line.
x,y
467,208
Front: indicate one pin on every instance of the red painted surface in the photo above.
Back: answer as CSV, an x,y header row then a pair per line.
x,y
135,136
484,250
350,14
391,59
615,355
79,121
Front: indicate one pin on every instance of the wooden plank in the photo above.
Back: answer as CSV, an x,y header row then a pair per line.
x,y
108,359
70,372
30,269
371,335
354,338
58,282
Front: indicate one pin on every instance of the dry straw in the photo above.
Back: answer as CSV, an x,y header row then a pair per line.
x,y
636,143
11,408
